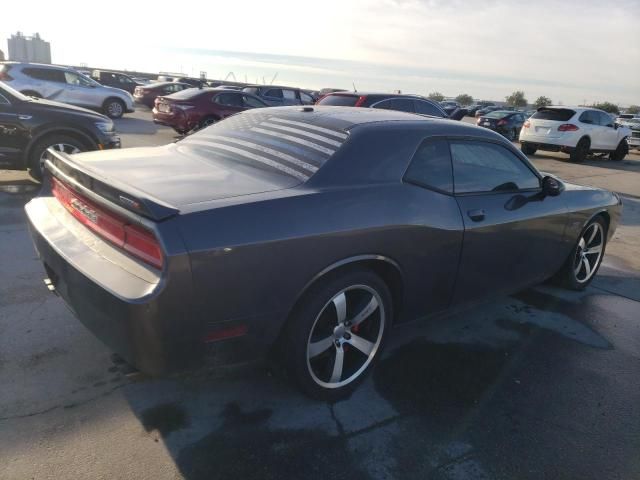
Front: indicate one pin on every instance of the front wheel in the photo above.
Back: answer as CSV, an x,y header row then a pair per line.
x,y
586,257
620,152
113,108
336,333
59,143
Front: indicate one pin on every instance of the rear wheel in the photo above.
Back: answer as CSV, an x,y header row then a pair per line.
x,y
619,153
527,149
584,260
336,333
59,143
205,122
113,108
579,154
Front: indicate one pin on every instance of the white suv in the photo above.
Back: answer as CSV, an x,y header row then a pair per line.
x,y
66,85
577,131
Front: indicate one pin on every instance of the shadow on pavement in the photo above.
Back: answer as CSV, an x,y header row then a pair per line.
x,y
491,392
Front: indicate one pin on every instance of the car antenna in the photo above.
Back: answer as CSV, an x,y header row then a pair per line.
x,y
354,86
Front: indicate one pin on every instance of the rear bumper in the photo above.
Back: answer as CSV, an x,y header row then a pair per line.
x,y
148,317
176,120
128,306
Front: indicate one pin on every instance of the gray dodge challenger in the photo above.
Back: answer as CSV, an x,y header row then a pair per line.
x,y
304,232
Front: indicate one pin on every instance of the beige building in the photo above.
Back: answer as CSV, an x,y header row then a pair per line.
x,y
29,49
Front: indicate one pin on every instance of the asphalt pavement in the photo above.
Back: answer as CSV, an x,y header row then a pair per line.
x,y
539,385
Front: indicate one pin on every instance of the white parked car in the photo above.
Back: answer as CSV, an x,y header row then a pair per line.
x,y
577,131
66,85
634,124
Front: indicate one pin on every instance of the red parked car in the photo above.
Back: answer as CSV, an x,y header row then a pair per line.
x,y
146,94
200,107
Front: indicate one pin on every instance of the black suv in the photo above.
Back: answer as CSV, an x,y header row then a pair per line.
x,y
28,126
115,79
389,101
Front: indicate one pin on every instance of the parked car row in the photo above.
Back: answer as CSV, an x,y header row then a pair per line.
x,y
66,85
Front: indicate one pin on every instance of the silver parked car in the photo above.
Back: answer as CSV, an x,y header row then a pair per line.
x,y
66,85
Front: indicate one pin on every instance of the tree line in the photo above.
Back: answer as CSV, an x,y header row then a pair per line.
x,y
518,99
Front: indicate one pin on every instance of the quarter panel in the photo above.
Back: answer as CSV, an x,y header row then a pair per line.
x,y
252,261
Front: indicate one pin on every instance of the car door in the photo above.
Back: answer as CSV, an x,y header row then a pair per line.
x,y
79,91
513,234
13,136
273,96
228,103
608,132
590,126
48,82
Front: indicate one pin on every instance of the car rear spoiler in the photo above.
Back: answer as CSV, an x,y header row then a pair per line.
x,y
122,195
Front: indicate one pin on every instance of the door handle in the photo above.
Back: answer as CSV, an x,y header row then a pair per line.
x,y
476,215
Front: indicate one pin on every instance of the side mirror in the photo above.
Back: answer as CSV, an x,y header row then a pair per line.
x,y
551,186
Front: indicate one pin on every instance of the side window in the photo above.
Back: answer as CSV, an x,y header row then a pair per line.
x,y
289,94
426,108
588,117
402,104
306,98
488,167
229,99
47,74
274,92
251,102
72,78
605,119
431,166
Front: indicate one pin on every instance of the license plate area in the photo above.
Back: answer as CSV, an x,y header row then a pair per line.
x,y
164,108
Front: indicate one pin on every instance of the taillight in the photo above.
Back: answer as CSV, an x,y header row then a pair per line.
x,y
138,241
360,101
502,122
568,127
527,124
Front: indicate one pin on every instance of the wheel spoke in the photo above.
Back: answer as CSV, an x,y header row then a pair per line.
x,y
582,243
587,267
336,374
365,346
592,250
316,348
593,235
340,302
577,269
60,147
366,311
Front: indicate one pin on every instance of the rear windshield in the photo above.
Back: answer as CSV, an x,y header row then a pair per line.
x,y
188,94
276,142
556,114
339,100
497,114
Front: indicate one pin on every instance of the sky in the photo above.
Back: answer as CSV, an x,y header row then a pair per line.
x,y
571,51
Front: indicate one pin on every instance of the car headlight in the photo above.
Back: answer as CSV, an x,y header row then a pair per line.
x,y
105,127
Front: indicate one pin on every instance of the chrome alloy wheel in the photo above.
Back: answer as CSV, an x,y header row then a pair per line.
x,y
589,252
115,109
345,336
58,147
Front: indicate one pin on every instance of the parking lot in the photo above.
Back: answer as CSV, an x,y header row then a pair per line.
x,y
541,384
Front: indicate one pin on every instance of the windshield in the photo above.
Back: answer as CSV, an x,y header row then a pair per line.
x,y
13,92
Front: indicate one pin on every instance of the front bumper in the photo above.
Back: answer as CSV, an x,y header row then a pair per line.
x,y
634,142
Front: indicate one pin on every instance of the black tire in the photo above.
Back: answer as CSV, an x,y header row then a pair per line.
x,y
113,108
207,121
315,314
511,135
620,152
35,154
31,93
567,276
528,149
579,154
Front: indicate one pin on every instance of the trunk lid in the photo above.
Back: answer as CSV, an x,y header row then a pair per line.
x,y
171,176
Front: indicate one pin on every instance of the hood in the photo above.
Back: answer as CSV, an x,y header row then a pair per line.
x,y
66,107
180,175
